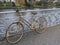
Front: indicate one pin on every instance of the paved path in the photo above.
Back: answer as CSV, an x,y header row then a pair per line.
x,y
50,37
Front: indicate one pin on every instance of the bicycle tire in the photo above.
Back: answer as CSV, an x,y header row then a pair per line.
x,y
13,35
40,23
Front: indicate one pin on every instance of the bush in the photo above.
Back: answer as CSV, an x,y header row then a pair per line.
x,y
41,4
57,4
38,3
50,4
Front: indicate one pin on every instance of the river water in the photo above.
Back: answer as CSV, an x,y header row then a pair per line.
x,y
6,18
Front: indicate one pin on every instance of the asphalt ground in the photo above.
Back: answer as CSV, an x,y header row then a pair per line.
x,y
50,37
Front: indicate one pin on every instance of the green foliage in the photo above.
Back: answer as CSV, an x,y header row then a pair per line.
x,y
50,4
17,5
57,4
46,4
9,4
36,4
41,4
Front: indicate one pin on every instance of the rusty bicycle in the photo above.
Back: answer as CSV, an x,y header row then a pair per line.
x,y
15,31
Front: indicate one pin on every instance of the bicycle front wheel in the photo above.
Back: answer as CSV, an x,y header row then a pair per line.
x,y
42,25
14,32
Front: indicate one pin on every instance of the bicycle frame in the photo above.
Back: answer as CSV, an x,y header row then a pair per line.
x,y
22,20
18,27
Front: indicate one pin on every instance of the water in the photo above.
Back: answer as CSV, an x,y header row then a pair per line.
x,y
6,18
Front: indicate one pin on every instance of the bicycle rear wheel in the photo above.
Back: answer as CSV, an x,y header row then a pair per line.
x,y
42,25
14,32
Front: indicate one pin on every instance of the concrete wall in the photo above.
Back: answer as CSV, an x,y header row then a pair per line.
x,y
51,15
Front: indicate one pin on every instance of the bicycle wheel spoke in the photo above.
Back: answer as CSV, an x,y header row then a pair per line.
x,y
14,33
42,24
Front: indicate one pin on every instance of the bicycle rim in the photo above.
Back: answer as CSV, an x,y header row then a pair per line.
x,y
14,32
42,25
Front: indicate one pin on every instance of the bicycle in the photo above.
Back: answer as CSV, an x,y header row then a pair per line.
x,y
15,31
